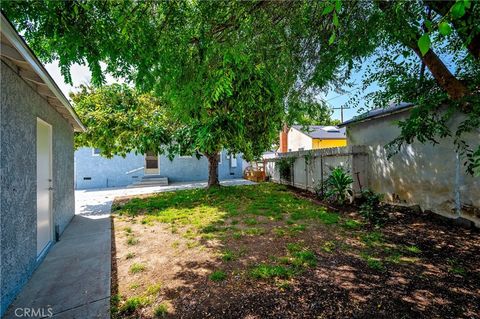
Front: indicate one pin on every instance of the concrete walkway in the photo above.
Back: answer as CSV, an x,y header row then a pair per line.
x,y
74,279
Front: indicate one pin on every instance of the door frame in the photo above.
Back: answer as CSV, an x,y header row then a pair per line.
x,y
151,171
42,253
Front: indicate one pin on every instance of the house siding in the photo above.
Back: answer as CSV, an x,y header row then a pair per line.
x,y
431,176
20,107
118,171
319,143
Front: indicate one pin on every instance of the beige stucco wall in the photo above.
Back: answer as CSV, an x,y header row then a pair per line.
x,y
431,176
297,140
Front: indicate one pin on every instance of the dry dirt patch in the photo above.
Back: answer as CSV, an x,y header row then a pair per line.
x,y
264,251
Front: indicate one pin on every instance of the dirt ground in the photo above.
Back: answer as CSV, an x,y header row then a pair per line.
x,y
254,265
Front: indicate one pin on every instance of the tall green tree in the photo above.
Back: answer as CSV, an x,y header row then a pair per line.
x,y
223,68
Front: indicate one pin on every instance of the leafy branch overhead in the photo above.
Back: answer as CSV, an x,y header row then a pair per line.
x,y
230,73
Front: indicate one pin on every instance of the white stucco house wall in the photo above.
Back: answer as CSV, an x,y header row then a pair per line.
x,y
431,176
37,124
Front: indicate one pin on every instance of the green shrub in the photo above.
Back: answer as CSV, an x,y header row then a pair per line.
x,y
285,165
370,208
338,185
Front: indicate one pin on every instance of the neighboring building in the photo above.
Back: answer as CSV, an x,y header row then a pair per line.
x,y
36,163
95,171
301,138
431,176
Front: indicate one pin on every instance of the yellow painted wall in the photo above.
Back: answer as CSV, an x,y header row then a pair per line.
x,y
317,143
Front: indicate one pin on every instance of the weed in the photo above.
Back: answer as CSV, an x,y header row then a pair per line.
x,y
218,275
250,221
161,311
372,239
283,284
154,289
237,235
294,247
279,232
228,255
134,286
413,249
130,255
132,241
352,224
128,230
304,258
328,246
175,244
455,267
137,268
370,208
297,228
265,271
372,262
132,304
254,231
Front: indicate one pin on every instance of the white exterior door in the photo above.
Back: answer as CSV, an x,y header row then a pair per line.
x,y
151,163
44,185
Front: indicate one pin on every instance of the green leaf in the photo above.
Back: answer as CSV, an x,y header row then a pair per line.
x,y
332,38
458,10
335,20
424,43
428,24
338,5
328,9
444,28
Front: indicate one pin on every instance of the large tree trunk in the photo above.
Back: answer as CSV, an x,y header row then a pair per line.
x,y
212,170
454,88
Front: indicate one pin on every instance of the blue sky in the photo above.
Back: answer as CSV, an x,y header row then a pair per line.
x,y
81,75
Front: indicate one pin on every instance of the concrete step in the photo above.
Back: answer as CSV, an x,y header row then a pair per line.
x,y
150,182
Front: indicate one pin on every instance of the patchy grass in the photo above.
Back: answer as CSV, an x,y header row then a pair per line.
x,y
161,311
137,268
218,275
265,271
228,255
265,251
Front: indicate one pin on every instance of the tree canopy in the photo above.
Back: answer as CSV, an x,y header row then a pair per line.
x,y
232,71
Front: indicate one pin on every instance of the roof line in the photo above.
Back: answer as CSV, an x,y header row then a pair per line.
x,y
19,43
366,117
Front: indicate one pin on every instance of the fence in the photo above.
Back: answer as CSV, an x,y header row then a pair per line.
x,y
311,168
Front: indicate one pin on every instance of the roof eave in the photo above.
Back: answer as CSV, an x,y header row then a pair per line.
x,y
19,44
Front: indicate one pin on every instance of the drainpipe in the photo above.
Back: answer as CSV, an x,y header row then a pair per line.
x,y
457,184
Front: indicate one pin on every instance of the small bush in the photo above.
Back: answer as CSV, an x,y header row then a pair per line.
x,y
370,208
218,275
338,185
284,166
